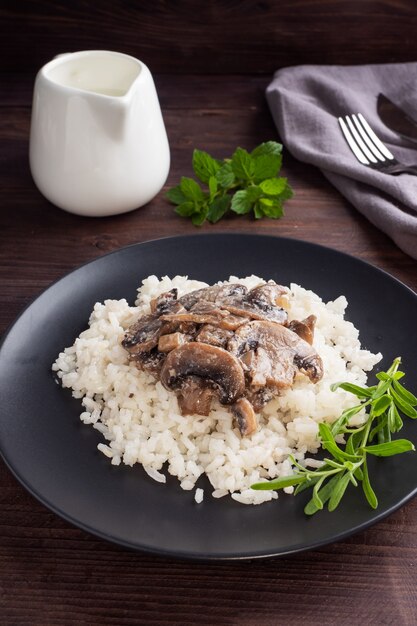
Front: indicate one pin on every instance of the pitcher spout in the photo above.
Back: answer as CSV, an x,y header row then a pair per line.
x,y
103,82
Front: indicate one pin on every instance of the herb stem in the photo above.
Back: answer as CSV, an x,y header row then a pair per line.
x,y
385,402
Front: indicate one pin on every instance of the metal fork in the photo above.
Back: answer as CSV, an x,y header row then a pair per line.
x,y
368,148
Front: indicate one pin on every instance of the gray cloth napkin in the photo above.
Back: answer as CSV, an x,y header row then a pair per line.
x,y
305,102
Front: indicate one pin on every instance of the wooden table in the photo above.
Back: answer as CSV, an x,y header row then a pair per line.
x,y
52,573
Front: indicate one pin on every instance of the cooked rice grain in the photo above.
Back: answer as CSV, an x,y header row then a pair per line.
x,y
141,421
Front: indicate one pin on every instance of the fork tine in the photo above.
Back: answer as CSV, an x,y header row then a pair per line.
x,y
381,146
352,144
368,140
363,145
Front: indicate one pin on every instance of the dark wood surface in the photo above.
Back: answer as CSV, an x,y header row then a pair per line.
x,y
215,36
52,573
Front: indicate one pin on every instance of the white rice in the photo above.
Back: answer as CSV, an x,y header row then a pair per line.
x,y
199,495
141,421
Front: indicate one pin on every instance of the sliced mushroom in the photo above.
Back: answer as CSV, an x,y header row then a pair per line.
x,y
245,417
143,335
209,362
207,314
163,302
214,335
268,294
271,355
215,294
171,341
224,342
304,328
260,397
195,397
261,303
149,361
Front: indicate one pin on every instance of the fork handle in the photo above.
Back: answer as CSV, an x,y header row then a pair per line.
x,y
402,169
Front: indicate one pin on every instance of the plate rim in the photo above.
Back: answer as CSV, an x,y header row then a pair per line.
x,y
187,555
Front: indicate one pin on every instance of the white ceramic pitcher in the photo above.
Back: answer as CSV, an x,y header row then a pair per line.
x,y
98,144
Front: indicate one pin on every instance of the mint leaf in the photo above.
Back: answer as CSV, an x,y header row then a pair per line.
x,y
217,208
273,186
244,182
204,165
254,192
266,166
213,185
267,148
191,189
258,212
243,201
243,165
198,218
186,209
271,207
287,192
225,176
175,195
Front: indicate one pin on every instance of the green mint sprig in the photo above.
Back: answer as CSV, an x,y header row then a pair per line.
x,y
385,402
246,182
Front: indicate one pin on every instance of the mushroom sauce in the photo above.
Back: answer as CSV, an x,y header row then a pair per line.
x,y
226,343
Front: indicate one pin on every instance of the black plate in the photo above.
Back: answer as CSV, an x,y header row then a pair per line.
x,y
54,455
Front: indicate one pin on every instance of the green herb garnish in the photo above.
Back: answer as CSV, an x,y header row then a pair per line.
x,y
246,182
385,403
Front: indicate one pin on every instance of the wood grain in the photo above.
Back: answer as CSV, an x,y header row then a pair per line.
x,y
212,62
53,573
216,37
